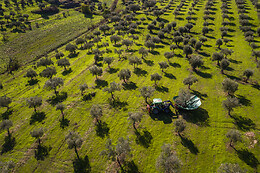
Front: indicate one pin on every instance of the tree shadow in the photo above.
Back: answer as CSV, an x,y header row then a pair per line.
x,y
234,61
203,74
112,70
101,83
9,143
57,98
248,157
32,82
199,94
42,152
176,65
140,72
102,129
207,45
199,116
189,144
204,54
169,75
6,114
66,72
73,55
37,116
162,89
244,101
64,123
256,86
131,167
129,86
89,96
143,138
243,123
162,116
117,103
148,62
233,77
154,52
81,165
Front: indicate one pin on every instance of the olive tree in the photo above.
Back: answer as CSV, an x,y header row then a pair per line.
x,y
224,65
82,88
96,71
155,77
134,61
196,61
7,167
37,133
45,62
143,52
64,62
49,72
108,61
183,97
127,43
71,48
216,56
118,152
230,168
229,86
96,112
134,117
6,125
34,102
163,65
190,80
169,55
230,103
113,87
31,74
124,74
115,38
61,107
146,92
167,160
179,126
234,136
248,73
54,84
187,49
219,42
74,141
5,101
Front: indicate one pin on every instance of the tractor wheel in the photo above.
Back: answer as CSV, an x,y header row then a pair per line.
x,y
155,111
167,110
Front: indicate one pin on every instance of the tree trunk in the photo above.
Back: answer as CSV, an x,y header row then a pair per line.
x,y
55,91
218,63
35,109
112,95
118,161
189,86
62,115
75,148
8,132
146,100
222,71
39,141
134,125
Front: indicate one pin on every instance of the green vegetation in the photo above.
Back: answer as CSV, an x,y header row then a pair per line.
x,y
154,146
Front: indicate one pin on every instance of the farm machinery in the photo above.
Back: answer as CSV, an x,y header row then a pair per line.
x,y
159,106
189,103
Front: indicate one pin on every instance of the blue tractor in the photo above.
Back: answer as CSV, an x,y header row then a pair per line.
x,y
159,106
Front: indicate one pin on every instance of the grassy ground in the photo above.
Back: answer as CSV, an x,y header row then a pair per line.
x,y
53,31
204,147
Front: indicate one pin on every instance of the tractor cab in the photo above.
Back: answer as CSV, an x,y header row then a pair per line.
x,y
158,105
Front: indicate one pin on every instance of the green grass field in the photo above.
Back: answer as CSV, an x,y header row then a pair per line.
x,y
206,145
